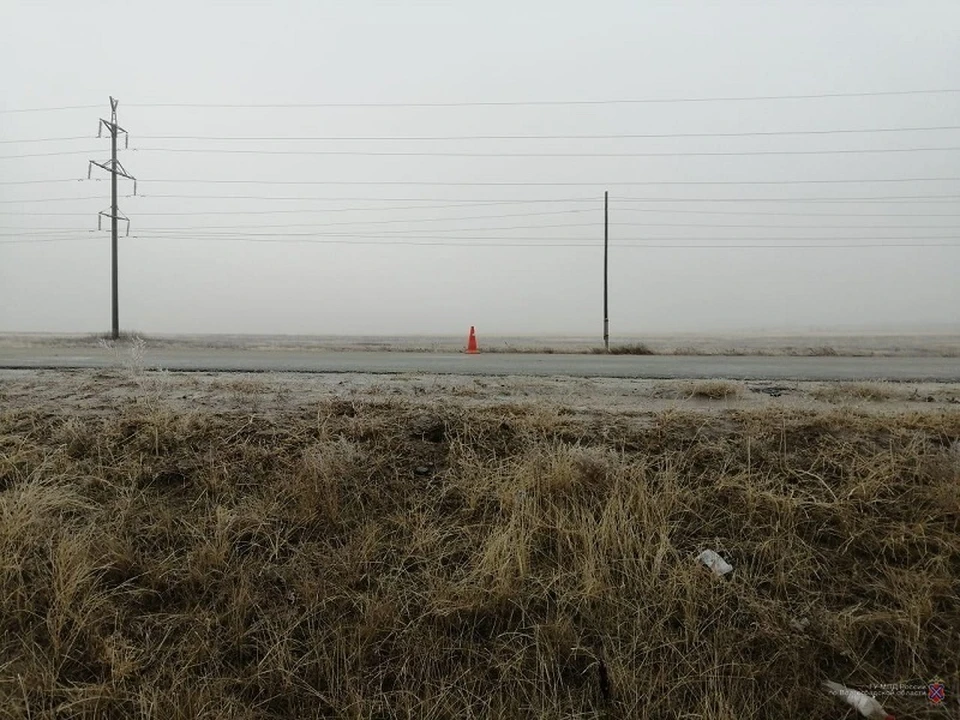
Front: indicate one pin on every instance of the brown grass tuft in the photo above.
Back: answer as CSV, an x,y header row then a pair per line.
x,y
631,349
841,392
715,390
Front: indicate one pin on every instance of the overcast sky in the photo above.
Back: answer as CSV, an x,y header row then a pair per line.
x,y
311,243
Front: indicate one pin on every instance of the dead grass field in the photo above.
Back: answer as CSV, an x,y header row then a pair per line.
x,y
942,343
370,555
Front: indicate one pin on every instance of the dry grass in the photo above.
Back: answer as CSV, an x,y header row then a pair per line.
x,y
241,386
715,390
631,349
377,560
699,390
128,353
858,391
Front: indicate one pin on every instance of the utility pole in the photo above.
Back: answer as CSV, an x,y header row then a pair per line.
x,y
606,246
113,167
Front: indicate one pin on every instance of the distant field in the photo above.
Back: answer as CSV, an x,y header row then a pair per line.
x,y
278,546
944,344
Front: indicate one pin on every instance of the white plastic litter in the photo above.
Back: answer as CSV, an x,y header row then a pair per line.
x,y
862,703
715,562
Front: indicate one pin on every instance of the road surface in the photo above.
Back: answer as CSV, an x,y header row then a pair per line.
x,y
903,369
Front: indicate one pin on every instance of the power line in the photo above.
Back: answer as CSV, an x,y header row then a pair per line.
x,y
295,211
550,213
38,241
410,220
40,140
740,226
311,198
535,103
60,199
466,203
44,182
591,200
448,138
231,229
237,234
593,246
834,200
610,136
215,230
935,198
442,234
776,213
500,242
525,183
31,232
391,153
47,109
47,154
507,103
271,212
374,222
671,211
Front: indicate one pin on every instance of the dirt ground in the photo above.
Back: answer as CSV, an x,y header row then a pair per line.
x,y
93,392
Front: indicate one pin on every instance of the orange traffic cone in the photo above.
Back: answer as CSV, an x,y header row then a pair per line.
x,y
472,342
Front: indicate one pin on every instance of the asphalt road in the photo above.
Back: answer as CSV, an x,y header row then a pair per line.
x,y
907,369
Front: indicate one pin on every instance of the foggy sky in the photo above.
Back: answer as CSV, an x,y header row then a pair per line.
x,y
219,266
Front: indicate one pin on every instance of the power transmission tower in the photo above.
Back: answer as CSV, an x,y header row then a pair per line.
x,y
113,167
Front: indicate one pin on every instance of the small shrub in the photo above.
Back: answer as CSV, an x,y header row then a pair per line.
x,y
715,390
133,361
633,349
838,392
